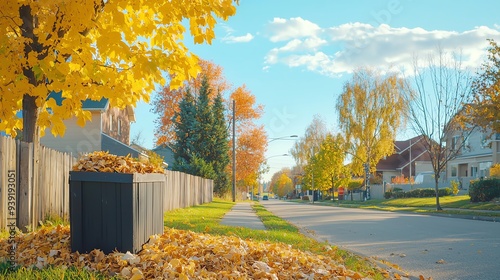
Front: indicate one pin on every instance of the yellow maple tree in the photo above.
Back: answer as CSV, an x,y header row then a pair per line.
x,y
93,49
371,110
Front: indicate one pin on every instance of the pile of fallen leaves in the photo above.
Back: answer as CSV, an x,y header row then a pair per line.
x,y
100,161
179,254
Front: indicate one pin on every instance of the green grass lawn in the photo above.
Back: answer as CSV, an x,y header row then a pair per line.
x,y
23,273
451,204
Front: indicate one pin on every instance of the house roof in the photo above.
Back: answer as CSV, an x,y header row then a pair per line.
x,y
402,157
93,105
89,104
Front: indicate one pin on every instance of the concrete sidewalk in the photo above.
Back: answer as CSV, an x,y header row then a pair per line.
x,y
242,215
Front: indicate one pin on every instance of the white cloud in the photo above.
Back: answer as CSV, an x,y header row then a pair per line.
x,y
282,29
339,49
238,39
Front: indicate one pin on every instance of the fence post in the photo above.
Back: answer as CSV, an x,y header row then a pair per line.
x,y
24,193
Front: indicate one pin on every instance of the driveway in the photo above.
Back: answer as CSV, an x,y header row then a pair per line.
x,y
437,247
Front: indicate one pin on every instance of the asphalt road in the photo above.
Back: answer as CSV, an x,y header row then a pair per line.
x,y
439,247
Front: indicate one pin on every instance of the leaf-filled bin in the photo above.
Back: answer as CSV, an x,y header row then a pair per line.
x,y
114,211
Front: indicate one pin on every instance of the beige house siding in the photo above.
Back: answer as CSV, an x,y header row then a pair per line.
x,y
77,139
475,157
115,123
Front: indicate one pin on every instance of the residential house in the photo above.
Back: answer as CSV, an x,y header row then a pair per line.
x,y
167,153
162,150
410,158
109,130
476,153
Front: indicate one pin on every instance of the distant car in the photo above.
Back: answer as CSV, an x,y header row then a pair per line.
x,y
265,197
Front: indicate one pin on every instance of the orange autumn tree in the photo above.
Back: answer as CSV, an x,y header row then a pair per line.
x,y
251,146
166,102
93,49
251,139
251,143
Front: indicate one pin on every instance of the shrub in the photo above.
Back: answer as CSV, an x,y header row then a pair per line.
x,y
305,197
399,180
454,186
399,193
387,195
484,190
445,192
495,170
355,184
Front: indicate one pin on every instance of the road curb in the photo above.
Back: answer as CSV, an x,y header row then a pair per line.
x,y
468,217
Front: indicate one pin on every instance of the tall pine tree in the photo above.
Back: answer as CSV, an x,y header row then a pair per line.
x,y
201,164
202,140
220,151
186,137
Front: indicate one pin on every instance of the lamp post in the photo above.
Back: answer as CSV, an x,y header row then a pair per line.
x,y
234,152
283,155
282,138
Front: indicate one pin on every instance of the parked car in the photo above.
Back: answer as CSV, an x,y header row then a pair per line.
x,y
427,176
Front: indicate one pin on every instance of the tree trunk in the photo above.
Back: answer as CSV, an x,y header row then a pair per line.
x,y
438,206
30,117
30,109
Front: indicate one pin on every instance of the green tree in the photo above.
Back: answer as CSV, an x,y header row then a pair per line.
x,y
204,125
371,109
185,124
201,147
220,158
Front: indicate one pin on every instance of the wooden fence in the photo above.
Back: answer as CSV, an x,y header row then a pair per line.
x,y
40,185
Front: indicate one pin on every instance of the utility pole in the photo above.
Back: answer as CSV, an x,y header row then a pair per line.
x,y
234,151
410,165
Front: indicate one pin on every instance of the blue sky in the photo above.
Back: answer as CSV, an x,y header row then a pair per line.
x,y
295,56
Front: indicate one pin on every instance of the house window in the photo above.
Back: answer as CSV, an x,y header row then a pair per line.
x,y
473,171
454,142
119,127
465,144
454,170
110,123
484,168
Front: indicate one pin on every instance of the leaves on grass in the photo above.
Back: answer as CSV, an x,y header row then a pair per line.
x,y
179,254
100,161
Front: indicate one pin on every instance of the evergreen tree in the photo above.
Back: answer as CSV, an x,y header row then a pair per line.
x,y
220,150
202,140
185,123
204,123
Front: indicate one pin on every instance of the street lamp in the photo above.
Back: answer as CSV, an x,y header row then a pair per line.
x,y
283,155
282,138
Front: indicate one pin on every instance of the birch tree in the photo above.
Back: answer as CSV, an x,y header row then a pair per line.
x,y
371,110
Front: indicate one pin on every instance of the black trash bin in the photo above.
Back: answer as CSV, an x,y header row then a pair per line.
x,y
114,211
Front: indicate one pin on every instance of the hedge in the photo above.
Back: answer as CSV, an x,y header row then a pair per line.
x,y
484,190
417,193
